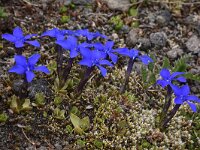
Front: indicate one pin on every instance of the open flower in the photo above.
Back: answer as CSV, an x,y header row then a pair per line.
x,y
94,58
167,78
182,95
57,33
89,35
19,39
133,54
26,67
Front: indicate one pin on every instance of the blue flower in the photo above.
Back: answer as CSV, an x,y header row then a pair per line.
x,y
89,35
19,39
133,54
167,78
70,44
94,58
182,95
26,67
108,50
57,33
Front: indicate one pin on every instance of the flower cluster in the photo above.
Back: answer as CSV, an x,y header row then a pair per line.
x,y
85,46
182,94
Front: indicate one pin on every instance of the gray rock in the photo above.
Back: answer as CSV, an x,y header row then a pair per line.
x,y
132,38
82,2
193,44
58,146
172,54
158,39
122,5
145,43
17,86
39,86
163,18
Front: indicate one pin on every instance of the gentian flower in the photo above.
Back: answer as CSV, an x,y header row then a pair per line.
x,y
182,95
133,54
94,58
19,39
108,50
89,35
167,78
57,33
26,67
70,44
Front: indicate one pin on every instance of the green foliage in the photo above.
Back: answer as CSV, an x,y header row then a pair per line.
x,y
39,100
81,143
63,9
65,19
181,64
3,117
190,76
80,125
68,129
3,14
98,144
166,63
133,11
117,21
59,114
57,100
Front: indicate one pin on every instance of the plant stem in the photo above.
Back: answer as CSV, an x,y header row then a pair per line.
x,y
84,80
66,72
170,116
59,61
127,75
24,89
167,103
19,51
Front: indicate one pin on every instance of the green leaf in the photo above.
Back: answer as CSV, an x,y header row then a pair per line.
x,y
75,120
85,123
59,114
133,11
14,104
190,76
40,99
166,63
98,144
57,100
81,143
26,105
144,74
3,117
181,64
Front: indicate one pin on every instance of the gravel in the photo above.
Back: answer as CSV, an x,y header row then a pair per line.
x,y
193,44
158,39
122,5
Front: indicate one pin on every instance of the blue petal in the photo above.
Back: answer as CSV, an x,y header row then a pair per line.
x,y
86,62
113,57
73,53
165,74
34,43
176,89
72,40
146,59
17,32
17,69
42,69
103,70
19,44
32,60
98,46
64,44
176,74
9,37
185,90
105,62
27,37
122,51
20,60
181,79
192,106
133,53
85,52
109,45
178,100
51,33
162,83
29,76
193,98
98,54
